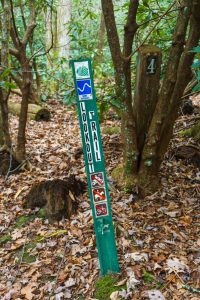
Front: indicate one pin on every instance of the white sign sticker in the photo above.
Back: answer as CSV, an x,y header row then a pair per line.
x,y
82,70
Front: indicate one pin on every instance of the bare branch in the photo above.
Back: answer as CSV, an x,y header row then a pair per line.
x,y
14,31
131,27
31,25
14,52
153,28
113,37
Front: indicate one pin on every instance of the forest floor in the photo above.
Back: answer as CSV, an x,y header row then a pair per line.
x,y
157,238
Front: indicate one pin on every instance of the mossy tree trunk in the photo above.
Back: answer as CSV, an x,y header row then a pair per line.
x,y
143,156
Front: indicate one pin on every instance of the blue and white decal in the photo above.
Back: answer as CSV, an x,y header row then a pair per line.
x,y
84,88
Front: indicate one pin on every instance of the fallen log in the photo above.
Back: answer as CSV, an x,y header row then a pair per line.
x,y
35,112
190,153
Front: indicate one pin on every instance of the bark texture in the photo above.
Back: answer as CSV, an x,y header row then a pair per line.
x,y
4,60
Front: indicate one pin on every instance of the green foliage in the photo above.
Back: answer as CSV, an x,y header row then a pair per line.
x,y
150,280
22,220
194,132
5,81
111,130
5,238
148,277
56,76
105,286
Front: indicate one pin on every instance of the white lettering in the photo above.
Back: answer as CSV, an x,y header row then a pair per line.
x,y
91,114
86,137
95,141
151,67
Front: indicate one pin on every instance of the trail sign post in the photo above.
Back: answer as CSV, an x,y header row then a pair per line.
x,y
95,167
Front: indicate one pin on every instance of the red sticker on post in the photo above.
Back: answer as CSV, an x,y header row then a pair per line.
x,y
101,210
99,194
97,179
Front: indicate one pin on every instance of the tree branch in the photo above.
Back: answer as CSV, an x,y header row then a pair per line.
x,y
113,37
14,31
14,52
131,27
156,24
31,25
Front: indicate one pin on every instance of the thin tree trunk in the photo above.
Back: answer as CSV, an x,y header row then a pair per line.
x,y
100,58
63,19
1,131
4,93
20,54
27,80
123,81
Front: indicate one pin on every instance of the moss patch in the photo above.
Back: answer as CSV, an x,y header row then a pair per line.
x,y
5,238
117,174
148,277
41,213
105,286
111,130
128,183
22,220
24,254
194,132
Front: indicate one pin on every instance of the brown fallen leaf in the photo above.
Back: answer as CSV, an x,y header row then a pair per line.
x,y
121,282
28,289
185,220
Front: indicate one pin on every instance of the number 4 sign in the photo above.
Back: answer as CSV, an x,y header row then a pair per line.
x,y
151,64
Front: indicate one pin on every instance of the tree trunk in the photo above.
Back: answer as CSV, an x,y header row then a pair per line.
x,y
1,132
57,35
176,79
99,57
27,79
63,19
123,82
4,92
144,147
35,112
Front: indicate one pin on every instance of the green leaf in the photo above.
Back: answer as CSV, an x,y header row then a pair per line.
x,y
196,88
10,85
196,64
5,73
196,49
145,3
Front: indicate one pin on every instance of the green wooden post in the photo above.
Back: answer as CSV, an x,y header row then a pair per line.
x,y
95,167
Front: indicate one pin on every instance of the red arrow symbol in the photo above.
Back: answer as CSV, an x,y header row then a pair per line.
x,y
99,181
101,196
102,210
